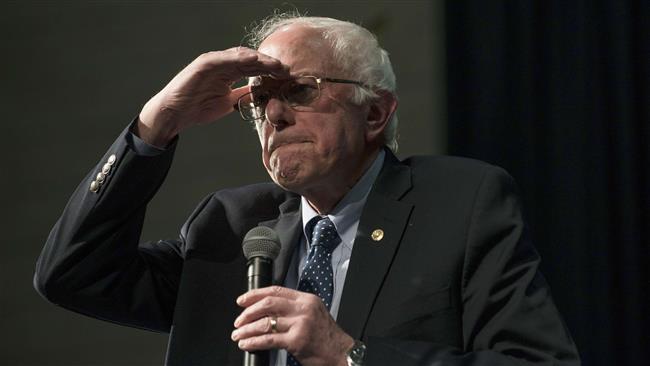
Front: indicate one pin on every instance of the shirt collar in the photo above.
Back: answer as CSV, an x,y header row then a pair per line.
x,y
348,211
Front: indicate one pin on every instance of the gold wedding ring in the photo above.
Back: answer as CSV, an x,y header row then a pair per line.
x,y
273,321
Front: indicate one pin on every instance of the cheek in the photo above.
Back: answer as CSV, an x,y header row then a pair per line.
x,y
340,139
263,135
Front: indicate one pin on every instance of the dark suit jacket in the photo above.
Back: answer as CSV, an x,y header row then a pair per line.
x,y
454,279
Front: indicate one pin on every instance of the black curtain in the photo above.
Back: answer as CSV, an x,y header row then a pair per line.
x,y
557,93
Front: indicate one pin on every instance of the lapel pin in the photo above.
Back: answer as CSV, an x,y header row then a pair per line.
x,y
377,234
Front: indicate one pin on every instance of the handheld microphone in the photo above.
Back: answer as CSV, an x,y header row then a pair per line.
x,y
261,246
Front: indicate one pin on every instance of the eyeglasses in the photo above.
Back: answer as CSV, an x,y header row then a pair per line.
x,y
298,93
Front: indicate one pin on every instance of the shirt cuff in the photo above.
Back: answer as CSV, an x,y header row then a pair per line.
x,y
142,148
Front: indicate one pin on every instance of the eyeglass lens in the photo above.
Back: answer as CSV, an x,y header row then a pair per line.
x,y
297,93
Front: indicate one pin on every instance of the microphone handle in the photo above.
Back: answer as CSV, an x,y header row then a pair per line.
x,y
260,273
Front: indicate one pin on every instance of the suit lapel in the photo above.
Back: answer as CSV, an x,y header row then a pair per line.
x,y
288,227
371,258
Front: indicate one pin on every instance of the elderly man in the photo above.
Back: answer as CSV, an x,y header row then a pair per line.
x,y
422,262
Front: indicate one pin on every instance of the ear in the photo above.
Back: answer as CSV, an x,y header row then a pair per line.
x,y
379,113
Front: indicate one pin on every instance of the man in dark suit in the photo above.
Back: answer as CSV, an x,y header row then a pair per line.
x,y
422,262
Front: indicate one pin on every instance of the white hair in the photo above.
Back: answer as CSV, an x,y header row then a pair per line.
x,y
354,49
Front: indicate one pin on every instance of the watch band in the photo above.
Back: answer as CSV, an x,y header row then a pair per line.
x,y
356,353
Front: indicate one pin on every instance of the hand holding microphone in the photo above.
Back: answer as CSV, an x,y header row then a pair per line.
x,y
261,246
277,317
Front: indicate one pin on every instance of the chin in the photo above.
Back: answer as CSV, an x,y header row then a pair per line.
x,y
286,170
289,181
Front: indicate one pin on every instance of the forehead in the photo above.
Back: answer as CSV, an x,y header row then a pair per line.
x,y
301,47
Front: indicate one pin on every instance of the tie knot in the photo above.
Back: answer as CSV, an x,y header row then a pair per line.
x,y
323,233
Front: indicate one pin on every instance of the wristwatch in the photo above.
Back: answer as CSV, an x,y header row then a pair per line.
x,y
356,353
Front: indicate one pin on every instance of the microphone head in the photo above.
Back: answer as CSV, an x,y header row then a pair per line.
x,y
261,241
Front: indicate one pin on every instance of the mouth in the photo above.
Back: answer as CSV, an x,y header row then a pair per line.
x,y
274,146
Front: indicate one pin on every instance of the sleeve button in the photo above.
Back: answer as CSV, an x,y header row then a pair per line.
x,y
94,186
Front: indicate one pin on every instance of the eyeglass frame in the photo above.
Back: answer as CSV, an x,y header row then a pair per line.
x,y
318,79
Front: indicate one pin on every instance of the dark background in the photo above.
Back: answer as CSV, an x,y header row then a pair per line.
x,y
74,75
555,92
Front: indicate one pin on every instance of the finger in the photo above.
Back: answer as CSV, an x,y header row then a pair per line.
x,y
241,52
235,94
264,342
243,60
229,73
278,71
256,70
266,306
256,295
261,326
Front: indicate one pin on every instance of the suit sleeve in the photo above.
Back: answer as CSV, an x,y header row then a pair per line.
x,y
508,315
92,262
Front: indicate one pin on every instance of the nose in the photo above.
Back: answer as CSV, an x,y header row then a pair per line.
x,y
278,114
